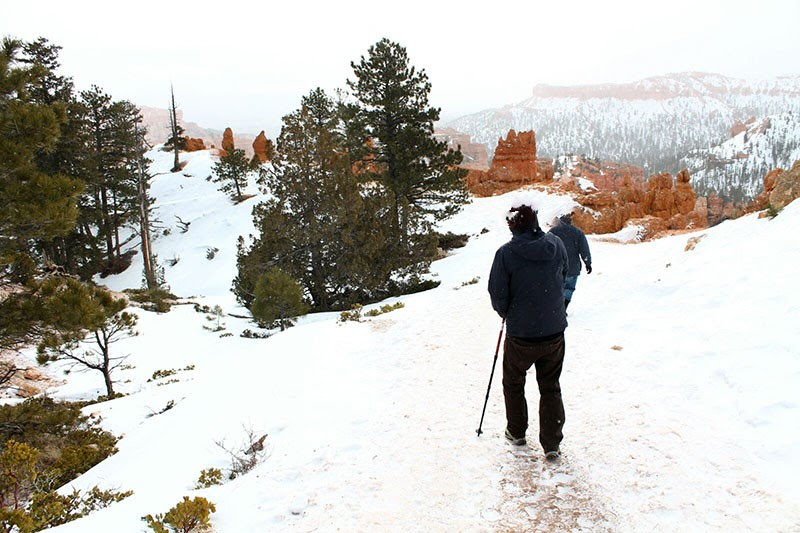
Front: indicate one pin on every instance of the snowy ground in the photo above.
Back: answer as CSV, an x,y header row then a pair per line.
x,y
680,384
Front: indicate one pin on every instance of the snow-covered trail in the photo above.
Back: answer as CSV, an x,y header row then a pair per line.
x,y
680,385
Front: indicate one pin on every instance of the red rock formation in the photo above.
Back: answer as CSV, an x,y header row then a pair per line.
x,y
674,204
544,170
515,158
739,127
786,188
262,148
227,141
194,145
514,165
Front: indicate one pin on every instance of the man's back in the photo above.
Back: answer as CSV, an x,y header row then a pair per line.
x,y
576,244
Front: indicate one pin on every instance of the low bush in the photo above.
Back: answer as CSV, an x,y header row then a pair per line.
x,y
450,240
156,300
69,441
385,309
208,478
28,500
188,516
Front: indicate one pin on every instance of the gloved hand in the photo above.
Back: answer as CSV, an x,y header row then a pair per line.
x,y
588,269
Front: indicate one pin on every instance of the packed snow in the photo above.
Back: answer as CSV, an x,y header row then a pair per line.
x,y
680,386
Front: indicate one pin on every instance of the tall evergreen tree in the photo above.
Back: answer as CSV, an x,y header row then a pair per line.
x,y
419,171
113,151
34,204
322,227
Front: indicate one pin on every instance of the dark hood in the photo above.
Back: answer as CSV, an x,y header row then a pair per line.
x,y
534,246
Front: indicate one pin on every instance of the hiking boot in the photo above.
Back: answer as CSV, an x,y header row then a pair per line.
x,y
552,456
516,441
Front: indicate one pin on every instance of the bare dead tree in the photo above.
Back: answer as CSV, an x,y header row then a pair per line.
x,y
173,124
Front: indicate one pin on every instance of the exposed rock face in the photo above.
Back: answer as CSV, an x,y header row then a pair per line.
x,y
194,145
514,165
605,175
674,205
475,155
515,158
787,187
739,127
227,140
780,189
262,148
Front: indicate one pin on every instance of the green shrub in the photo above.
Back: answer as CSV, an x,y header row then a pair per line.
x,y
250,334
208,478
157,300
353,315
166,372
473,281
450,240
278,300
388,308
26,506
772,211
188,516
50,509
70,443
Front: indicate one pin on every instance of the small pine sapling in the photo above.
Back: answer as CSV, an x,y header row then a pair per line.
x,y
278,300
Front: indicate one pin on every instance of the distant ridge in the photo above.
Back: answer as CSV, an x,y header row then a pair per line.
x,y
655,122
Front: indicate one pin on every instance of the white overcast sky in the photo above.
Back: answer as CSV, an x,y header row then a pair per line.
x,y
246,64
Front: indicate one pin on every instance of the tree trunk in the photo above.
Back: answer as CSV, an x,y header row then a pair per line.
x,y
173,120
106,225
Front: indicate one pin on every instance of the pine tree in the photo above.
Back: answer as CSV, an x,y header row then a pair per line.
x,y
419,172
34,204
231,170
278,299
79,322
112,179
322,227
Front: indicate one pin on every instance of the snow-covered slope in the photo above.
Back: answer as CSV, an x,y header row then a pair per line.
x,y
654,122
202,260
680,384
727,169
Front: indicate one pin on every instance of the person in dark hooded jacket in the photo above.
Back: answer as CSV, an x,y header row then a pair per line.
x,y
577,248
525,286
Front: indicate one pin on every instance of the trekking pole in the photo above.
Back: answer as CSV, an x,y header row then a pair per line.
x,y
496,351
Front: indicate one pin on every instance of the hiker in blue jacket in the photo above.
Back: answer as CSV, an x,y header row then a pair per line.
x,y
525,286
577,248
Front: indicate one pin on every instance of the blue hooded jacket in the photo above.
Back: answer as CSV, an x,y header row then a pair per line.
x,y
526,284
576,244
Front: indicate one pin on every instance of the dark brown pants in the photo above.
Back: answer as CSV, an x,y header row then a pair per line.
x,y
548,356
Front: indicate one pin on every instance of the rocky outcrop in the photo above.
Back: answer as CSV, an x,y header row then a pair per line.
x,y
194,145
475,155
780,189
672,202
787,187
262,148
227,140
514,165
